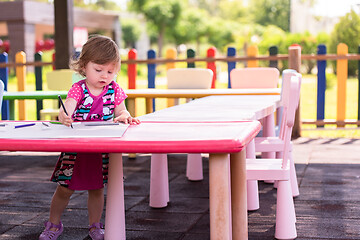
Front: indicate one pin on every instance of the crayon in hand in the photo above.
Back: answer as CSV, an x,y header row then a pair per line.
x,y
63,106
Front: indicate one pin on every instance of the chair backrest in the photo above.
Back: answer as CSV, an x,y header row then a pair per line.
x,y
189,78
62,79
287,74
258,77
1,92
290,100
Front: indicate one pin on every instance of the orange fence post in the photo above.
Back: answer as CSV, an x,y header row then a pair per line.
x,y
170,54
20,57
252,51
342,75
211,52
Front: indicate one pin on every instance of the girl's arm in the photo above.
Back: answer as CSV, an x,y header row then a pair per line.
x,y
70,105
122,115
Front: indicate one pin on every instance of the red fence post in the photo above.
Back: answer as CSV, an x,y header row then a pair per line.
x,y
132,55
211,52
53,59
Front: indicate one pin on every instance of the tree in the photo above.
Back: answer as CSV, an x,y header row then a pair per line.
x,y
275,12
162,14
191,28
130,32
220,32
347,31
232,10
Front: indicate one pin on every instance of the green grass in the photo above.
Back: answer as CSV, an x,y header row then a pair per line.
x,y
308,107
307,101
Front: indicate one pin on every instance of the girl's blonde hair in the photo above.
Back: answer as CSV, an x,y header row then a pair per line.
x,y
98,49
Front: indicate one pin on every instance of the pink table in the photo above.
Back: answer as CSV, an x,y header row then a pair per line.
x,y
215,108
228,212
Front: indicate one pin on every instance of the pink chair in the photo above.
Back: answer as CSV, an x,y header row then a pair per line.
x,y
280,168
248,78
271,144
258,77
254,77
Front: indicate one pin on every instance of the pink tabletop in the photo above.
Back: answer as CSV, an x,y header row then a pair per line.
x,y
152,137
216,138
219,108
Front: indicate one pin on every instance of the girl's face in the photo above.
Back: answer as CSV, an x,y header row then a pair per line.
x,y
98,76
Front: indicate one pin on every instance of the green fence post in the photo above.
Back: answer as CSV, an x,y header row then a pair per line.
x,y
38,83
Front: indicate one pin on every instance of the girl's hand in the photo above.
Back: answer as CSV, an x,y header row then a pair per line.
x,y
70,105
126,118
65,119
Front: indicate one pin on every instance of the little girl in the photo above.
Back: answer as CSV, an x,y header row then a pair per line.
x,y
96,98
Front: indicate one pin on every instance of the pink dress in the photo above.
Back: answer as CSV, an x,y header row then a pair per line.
x,y
88,171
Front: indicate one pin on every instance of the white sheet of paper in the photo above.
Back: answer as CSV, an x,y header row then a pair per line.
x,y
79,130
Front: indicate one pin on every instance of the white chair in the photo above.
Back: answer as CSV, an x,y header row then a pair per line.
x,y
178,78
2,86
58,80
280,168
190,78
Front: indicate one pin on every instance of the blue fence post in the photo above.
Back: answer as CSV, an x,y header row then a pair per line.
x,y
4,76
231,52
151,54
38,83
273,51
321,76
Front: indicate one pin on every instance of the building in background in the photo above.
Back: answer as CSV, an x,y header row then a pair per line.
x,y
319,18
24,23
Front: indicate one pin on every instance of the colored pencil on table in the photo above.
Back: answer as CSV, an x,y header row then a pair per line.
x,y
25,125
55,122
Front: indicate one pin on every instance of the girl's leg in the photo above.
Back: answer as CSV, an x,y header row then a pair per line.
x,y
58,204
95,205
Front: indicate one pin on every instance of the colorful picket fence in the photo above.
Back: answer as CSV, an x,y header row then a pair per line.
x,y
251,60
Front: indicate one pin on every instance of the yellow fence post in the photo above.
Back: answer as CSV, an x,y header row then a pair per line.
x,y
20,57
252,51
170,54
342,75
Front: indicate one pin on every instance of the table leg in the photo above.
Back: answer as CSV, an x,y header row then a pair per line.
x,y
238,196
219,181
194,167
149,105
115,208
131,106
269,131
159,181
252,185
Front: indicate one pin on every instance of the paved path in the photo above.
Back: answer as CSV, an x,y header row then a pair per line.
x,y
328,206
